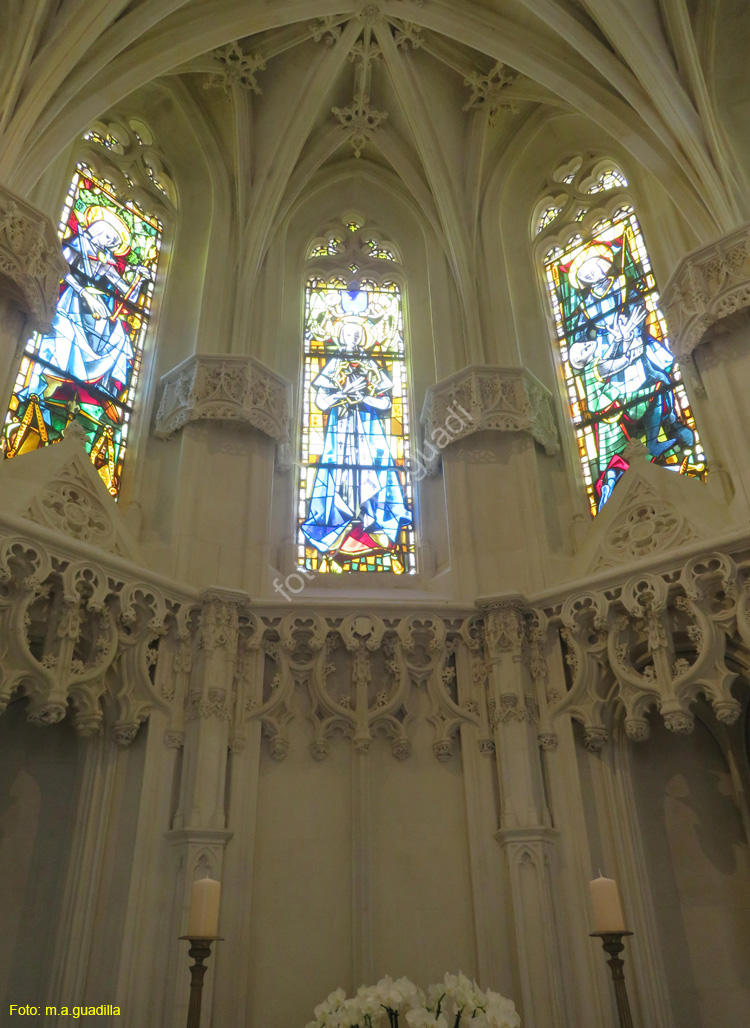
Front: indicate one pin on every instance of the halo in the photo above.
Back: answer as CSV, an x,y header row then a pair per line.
x,y
594,250
96,212
348,319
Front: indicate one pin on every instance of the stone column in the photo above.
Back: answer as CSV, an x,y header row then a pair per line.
x,y
526,836
199,834
31,267
488,426
707,303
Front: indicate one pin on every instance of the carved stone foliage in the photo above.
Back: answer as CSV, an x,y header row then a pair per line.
x,y
224,388
59,488
653,510
31,261
707,286
657,641
77,639
234,67
500,399
492,92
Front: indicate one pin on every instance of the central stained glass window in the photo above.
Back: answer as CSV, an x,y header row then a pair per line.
x,y
355,501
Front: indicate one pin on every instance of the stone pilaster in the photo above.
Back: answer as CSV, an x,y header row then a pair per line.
x,y
528,841
707,301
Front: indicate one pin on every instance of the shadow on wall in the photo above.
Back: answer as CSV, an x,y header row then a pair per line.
x,y
38,792
699,871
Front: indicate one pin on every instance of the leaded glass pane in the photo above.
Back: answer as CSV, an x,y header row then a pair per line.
x,y
622,380
355,502
87,369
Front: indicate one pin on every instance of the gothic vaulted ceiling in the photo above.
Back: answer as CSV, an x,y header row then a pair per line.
x,y
431,92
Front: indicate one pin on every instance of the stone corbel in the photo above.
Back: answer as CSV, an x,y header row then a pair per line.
x,y
708,285
483,397
31,262
224,387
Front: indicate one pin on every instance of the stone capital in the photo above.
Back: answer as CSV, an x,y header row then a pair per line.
x,y
31,261
224,387
485,397
504,625
707,286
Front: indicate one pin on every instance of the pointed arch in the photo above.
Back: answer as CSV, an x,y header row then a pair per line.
x,y
355,491
621,378
86,369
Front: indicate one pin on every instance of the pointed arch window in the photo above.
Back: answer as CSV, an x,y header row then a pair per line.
x,y
621,378
86,370
355,495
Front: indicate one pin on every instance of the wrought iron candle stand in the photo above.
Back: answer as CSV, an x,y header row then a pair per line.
x,y
200,950
613,945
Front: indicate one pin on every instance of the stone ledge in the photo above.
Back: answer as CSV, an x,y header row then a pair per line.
x,y
31,261
224,387
708,285
489,398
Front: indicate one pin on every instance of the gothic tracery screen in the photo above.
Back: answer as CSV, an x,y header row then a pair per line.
x,y
355,507
86,370
622,380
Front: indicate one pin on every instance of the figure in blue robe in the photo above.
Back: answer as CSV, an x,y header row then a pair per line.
x,y
357,506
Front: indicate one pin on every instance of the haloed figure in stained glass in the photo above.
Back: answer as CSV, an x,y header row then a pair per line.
x,y
357,505
85,369
620,364
89,338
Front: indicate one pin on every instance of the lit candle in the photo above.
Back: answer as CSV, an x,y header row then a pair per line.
x,y
607,909
203,920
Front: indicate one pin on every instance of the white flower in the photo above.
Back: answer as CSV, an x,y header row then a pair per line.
x,y
393,994
421,1018
457,1002
501,1012
462,991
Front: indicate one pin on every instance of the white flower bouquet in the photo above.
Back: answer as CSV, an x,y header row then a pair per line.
x,y
457,1002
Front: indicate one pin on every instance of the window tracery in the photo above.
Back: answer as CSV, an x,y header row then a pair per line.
x,y
355,495
86,370
621,378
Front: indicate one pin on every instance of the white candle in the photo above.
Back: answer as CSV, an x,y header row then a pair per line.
x,y
607,909
203,920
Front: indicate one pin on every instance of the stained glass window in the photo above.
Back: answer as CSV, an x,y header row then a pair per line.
x,y
622,380
355,501
547,216
610,178
86,370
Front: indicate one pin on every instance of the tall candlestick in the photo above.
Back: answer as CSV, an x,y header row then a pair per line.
x,y
607,909
203,919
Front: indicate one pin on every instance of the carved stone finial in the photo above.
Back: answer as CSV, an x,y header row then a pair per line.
x,y
491,91
595,739
236,68
370,12
360,121
637,728
681,722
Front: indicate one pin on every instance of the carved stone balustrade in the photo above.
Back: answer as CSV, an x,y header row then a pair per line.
x,y
31,262
483,397
224,388
708,285
657,641
89,634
